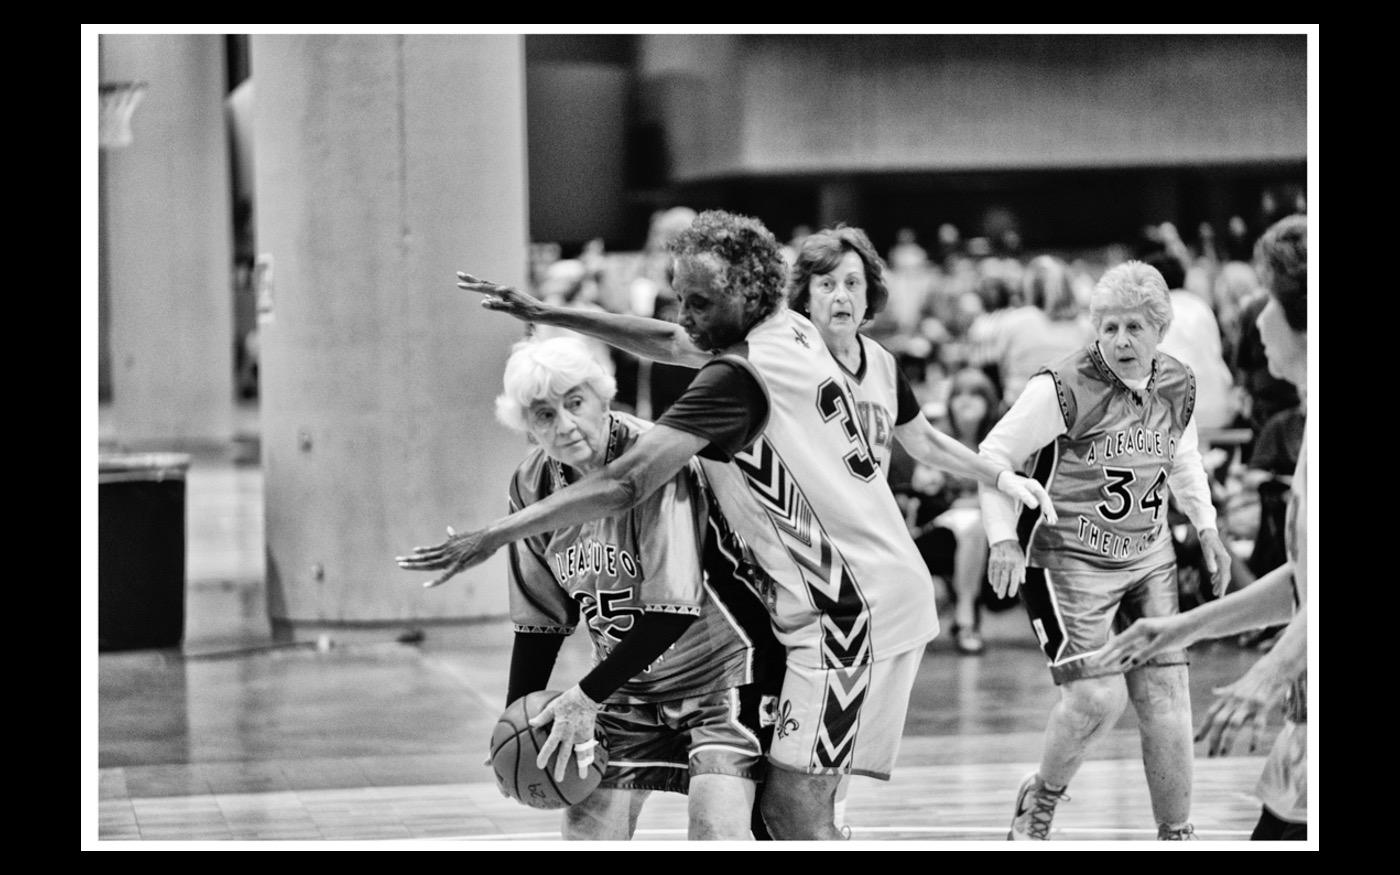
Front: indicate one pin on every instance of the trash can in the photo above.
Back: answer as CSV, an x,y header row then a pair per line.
x,y
141,550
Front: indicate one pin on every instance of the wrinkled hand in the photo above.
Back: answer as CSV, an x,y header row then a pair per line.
x,y
1029,492
503,299
1217,560
1242,707
1141,641
574,718
457,553
1006,568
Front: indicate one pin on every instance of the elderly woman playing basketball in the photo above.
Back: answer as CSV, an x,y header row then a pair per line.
x,y
1241,708
674,683
1108,430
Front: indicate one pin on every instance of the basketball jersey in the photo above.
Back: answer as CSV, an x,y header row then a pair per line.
x,y
847,584
1283,787
1107,475
875,388
611,571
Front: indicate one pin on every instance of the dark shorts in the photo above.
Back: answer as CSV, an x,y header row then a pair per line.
x,y
660,745
1272,828
1073,613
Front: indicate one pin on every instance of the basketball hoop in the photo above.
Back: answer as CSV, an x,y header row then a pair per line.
x,y
118,101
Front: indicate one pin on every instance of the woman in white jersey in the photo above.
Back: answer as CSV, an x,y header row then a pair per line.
x,y
838,281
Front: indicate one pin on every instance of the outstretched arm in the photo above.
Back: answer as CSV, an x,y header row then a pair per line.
x,y
1265,602
648,338
625,482
927,444
1241,709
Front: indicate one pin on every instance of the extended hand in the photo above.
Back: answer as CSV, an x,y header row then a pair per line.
x,y
1006,568
1242,707
1217,560
1141,641
457,553
504,299
1029,492
573,715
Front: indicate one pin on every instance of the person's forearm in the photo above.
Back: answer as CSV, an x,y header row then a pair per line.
x,y
1289,655
648,639
648,338
1267,601
589,499
1188,482
532,658
926,444
998,514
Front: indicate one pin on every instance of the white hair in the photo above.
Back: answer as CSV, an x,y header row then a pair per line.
x,y
1133,285
538,370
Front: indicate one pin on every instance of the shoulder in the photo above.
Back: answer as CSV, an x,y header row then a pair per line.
x,y
1173,368
533,479
1080,363
877,353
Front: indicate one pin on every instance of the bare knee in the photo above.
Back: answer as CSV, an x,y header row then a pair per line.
x,y
1092,702
720,808
800,807
1160,690
605,815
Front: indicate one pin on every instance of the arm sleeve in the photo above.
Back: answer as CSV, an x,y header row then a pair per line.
x,y
648,639
904,395
1188,480
532,659
725,405
1033,422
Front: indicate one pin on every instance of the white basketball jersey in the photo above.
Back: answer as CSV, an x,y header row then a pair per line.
x,y
877,398
849,586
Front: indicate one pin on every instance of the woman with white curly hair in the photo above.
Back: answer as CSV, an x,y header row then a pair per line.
x,y
1108,429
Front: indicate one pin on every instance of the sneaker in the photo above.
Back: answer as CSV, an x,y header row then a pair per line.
x,y
968,641
1035,809
1183,833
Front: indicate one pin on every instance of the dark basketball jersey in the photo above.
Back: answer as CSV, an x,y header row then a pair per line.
x,y
1108,473
651,558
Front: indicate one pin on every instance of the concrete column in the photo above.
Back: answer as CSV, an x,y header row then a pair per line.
x,y
383,165
167,247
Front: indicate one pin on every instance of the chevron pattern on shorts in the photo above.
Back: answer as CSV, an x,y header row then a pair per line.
x,y
844,614
836,737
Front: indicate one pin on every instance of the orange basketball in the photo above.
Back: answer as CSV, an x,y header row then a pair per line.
x,y
514,746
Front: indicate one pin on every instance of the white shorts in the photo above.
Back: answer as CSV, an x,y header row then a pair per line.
x,y
844,720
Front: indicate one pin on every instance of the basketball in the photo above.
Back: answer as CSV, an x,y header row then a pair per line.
x,y
515,745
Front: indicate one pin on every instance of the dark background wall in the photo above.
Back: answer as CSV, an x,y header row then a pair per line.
x,y
1073,140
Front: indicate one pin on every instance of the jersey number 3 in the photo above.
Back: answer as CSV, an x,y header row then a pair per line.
x,y
833,403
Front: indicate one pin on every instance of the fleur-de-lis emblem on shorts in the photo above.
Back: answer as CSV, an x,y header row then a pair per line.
x,y
786,724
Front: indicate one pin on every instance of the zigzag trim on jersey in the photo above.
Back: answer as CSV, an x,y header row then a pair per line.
x,y
844,613
548,630
688,610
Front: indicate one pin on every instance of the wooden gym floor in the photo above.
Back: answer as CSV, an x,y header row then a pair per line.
x,y
232,739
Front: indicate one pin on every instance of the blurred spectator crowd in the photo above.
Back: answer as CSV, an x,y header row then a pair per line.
x,y
981,316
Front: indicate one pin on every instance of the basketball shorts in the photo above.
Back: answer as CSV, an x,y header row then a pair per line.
x,y
844,720
1074,612
660,745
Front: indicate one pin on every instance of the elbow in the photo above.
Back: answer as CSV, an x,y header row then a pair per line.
x,y
624,493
